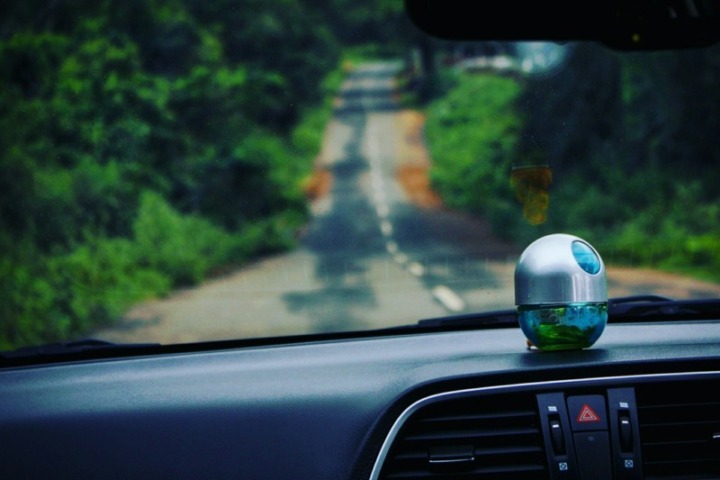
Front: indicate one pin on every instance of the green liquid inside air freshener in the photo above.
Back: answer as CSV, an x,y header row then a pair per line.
x,y
563,327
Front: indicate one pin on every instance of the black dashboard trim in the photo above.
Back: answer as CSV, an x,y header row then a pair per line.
x,y
323,407
535,387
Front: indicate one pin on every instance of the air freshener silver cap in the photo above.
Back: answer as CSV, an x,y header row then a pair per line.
x,y
560,269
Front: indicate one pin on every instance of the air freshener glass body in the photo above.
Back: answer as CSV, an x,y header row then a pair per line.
x,y
561,293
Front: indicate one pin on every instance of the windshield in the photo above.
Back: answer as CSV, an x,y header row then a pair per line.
x,y
188,171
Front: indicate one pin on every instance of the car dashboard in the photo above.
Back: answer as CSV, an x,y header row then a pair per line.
x,y
641,403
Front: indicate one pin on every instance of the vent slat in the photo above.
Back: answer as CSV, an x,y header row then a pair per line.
x,y
684,461
677,422
422,454
510,471
499,437
689,443
477,416
469,434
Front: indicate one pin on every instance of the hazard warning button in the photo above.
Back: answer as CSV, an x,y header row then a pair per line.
x,y
587,412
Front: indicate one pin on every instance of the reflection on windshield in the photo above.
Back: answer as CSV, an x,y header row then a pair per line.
x,y
183,174
531,184
541,58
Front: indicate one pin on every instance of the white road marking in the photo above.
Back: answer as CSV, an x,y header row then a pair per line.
x,y
416,269
400,258
386,228
379,197
448,298
377,182
373,144
322,206
382,210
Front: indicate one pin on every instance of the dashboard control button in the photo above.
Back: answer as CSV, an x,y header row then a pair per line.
x,y
587,412
626,443
556,435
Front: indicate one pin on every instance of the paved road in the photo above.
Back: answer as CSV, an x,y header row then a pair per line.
x,y
370,257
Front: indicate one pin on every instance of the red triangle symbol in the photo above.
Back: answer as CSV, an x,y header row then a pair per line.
x,y
587,414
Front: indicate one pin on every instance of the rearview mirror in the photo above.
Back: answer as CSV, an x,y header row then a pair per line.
x,y
619,24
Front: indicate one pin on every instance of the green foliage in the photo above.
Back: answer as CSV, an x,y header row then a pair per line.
x,y
26,295
145,145
53,297
380,27
473,133
183,248
682,233
631,139
97,281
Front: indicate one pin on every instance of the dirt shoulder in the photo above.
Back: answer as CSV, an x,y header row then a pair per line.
x,y
413,175
414,161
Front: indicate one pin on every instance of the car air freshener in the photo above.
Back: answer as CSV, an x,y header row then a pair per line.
x,y
561,293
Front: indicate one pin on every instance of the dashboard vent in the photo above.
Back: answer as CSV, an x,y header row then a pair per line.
x,y
680,429
489,438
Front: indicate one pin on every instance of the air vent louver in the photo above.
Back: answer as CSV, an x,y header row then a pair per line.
x,y
680,429
489,438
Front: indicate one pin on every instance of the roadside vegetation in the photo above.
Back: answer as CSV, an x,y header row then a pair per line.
x,y
632,142
147,145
